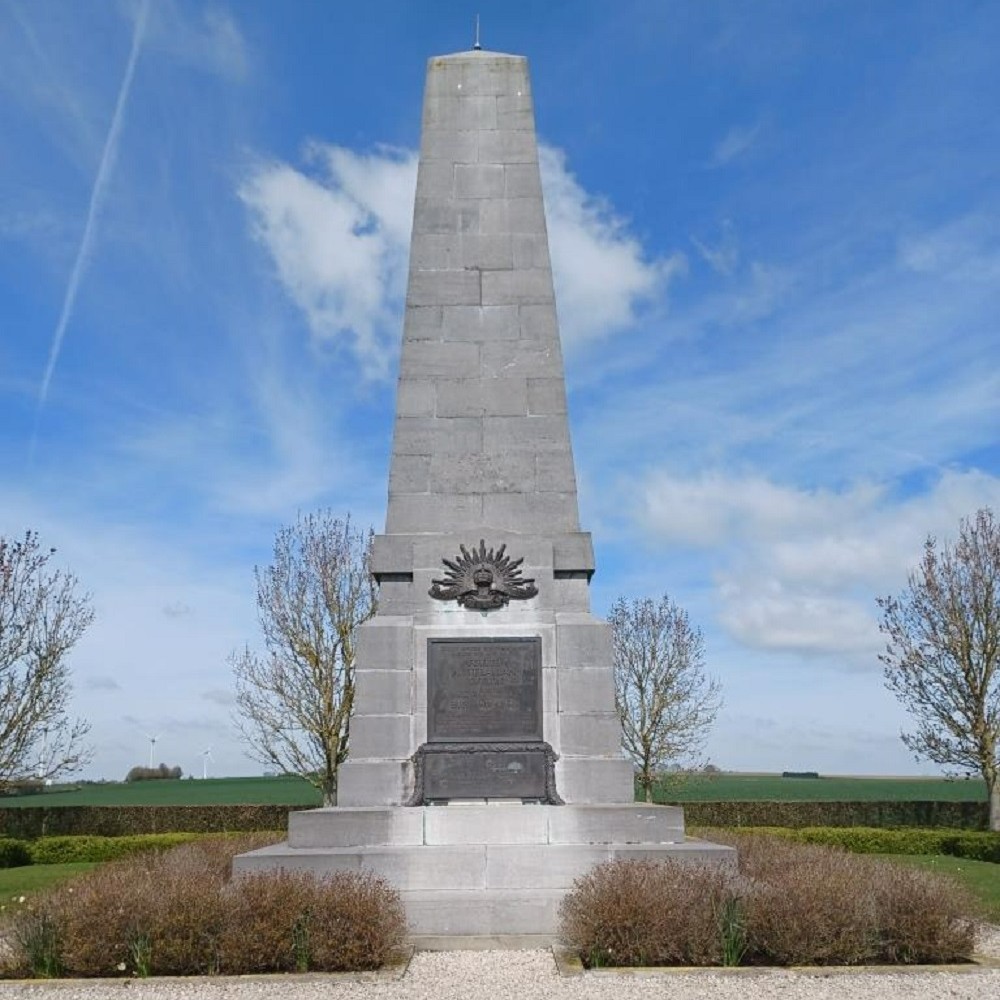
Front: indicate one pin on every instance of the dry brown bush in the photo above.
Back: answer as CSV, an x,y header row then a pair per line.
x,y
789,904
646,913
357,923
177,913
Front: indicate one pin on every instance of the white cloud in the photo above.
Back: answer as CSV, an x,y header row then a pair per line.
x,y
722,255
800,569
337,244
601,271
737,141
338,235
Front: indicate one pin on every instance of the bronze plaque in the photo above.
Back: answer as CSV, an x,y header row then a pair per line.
x,y
484,690
490,774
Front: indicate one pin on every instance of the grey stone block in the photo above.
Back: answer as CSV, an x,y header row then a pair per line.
x,y
530,251
436,359
479,914
384,647
515,866
422,323
526,215
693,852
585,642
526,359
571,594
372,783
592,780
477,397
341,826
597,734
454,288
416,398
591,689
459,113
437,435
410,474
395,597
531,512
437,215
484,474
430,512
535,434
487,252
538,322
616,824
576,552
381,736
554,472
515,112
546,396
522,180
435,179
519,287
436,251
390,554
449,145
502,146
382,692
486,824
480,323
479,180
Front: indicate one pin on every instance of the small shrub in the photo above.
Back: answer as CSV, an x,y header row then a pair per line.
x,y
13,853
178,913
789,904
646,913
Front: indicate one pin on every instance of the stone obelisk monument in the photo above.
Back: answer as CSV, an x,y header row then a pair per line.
x,y
486,770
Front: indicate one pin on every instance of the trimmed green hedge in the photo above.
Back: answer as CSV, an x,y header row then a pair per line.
x,y
31,822
976,846
952,815
63,850
13,853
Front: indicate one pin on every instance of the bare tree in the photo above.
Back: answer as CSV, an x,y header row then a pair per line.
x,y
294,701
41,619
942,657
665,700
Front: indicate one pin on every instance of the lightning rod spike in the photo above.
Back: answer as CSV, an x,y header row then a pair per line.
x,y
477,47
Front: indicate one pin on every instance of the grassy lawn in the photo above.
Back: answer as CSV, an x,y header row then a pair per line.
x,y
284,790
982,878
727,787
17,882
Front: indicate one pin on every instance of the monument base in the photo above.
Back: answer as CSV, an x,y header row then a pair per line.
x,y
478,869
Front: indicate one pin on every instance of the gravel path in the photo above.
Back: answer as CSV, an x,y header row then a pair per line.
x,y
532,975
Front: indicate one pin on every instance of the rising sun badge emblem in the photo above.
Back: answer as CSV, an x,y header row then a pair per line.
x,y
483,580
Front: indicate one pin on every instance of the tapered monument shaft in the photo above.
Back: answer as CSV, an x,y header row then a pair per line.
x,y
481,454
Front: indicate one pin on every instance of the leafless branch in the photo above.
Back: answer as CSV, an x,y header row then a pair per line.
x,y
294,700
666,702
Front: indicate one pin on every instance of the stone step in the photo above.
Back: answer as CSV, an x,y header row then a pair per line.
x,y
474,867
475,824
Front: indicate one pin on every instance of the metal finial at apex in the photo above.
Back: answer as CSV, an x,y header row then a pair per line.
x,y
476,46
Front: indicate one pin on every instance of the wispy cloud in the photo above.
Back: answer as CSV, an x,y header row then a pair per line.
x,y
97,196
338,236
734,144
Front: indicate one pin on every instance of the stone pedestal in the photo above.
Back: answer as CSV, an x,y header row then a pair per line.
x,y
481,870
482,543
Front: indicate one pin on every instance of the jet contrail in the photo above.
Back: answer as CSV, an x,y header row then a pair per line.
x,y
96,201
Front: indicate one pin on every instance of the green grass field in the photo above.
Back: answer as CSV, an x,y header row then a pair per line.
x,y
728,787
292,791
981,878
284,790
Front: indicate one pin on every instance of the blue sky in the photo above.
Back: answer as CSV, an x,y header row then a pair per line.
x,y
775,234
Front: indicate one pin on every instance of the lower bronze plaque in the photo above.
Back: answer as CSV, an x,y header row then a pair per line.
x,y
487,690
504,774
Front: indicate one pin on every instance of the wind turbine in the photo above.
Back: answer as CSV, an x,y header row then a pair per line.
x,y
152,747
206,756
